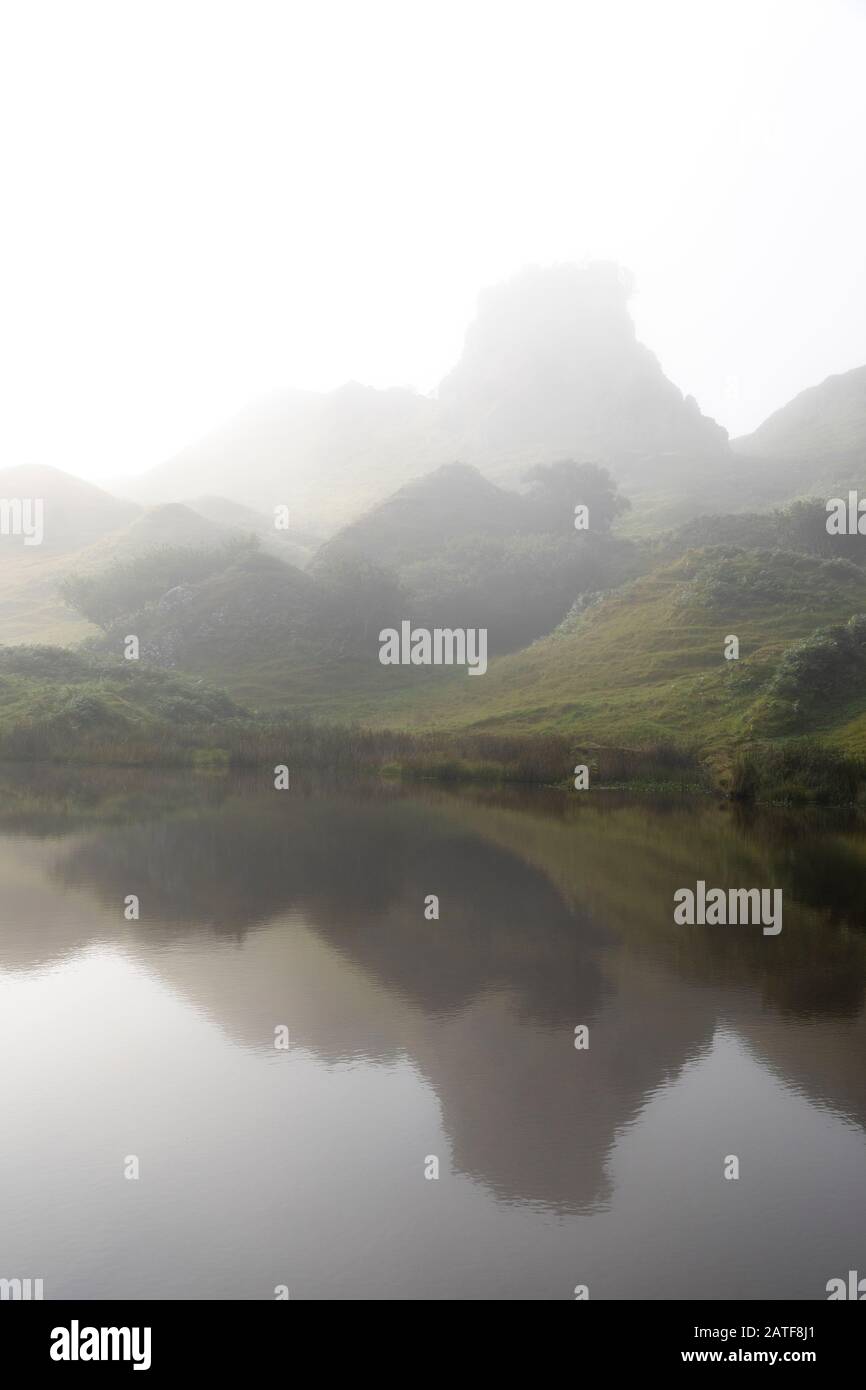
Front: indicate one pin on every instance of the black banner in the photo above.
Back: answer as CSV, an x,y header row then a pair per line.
x,y
219,1338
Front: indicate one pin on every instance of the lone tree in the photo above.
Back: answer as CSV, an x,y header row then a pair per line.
x,y
555,489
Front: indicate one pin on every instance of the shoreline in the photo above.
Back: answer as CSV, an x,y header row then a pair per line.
x,y
796,773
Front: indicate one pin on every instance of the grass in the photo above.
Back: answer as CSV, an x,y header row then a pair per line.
x,y
61,706
802,772
646,665
636,685
546,759
641,666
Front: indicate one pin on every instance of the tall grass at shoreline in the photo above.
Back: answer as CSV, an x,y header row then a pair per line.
x,y
547,759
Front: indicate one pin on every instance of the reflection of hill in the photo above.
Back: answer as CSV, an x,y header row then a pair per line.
x,y
821,1058
818,963
307,909
359,871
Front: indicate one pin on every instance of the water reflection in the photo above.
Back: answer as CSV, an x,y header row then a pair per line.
x,y
306,909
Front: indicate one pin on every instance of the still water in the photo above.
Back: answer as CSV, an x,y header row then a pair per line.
x,y
412,1039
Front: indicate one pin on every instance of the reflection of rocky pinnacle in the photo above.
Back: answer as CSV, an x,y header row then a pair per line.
x,y
322,896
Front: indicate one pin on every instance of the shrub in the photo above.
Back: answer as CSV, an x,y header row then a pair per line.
x,y
802,771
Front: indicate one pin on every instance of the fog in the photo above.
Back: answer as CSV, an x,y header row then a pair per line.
x,y
205,203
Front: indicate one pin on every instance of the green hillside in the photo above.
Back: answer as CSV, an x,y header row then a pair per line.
x,y
641,665
647,662
77,518
824,422
450,550
87,531
610,639
618,660
53,703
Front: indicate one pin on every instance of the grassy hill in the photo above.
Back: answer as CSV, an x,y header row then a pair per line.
x,y
815,445
86,529
647,662
642,665
635,660
596,641
294,546
76,513
32,607
325,455
54,703
450,550
450,503
824,422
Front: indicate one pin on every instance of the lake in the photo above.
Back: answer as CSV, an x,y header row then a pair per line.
x,y
153,1042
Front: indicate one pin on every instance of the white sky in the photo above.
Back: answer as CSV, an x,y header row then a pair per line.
x,y
202,202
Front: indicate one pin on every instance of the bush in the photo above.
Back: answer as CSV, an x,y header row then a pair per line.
x,y
125,586
86,711
51,663
821,671
803,771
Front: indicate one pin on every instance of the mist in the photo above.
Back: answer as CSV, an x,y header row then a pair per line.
x,y
202,210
